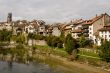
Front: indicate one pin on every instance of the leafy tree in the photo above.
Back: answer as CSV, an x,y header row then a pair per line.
x,y
49,40
21,39
36,36
54,41
83,42
5,35
105,51
70,44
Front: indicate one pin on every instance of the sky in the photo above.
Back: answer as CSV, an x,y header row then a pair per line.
x,y
53,10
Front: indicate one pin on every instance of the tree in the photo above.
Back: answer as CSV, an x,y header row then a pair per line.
x,y
5,35
54,41
104,51
70,44
83,42
49,40
21,39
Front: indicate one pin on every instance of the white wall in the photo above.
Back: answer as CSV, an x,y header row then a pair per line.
x,y
56,31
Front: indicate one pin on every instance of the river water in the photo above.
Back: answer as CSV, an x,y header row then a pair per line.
x,y
6,67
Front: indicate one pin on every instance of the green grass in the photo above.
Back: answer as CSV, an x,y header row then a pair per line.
x,y
55,51
88,53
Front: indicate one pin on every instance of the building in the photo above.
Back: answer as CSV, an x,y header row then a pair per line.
x,y
77,28
103,34
92,26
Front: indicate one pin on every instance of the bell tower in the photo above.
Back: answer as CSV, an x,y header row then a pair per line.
x,y
9,18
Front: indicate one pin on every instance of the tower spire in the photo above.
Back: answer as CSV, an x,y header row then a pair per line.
x,y
9,18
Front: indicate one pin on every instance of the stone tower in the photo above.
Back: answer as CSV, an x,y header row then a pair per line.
x,y
9,18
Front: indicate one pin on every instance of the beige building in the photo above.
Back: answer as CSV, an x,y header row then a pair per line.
x,y
92,26
103,34
77,28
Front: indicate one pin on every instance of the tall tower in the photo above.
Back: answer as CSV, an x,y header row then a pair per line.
x,y
9,18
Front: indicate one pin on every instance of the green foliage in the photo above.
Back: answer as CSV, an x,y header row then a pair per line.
x,y
70,44
83,42
21,39
20,50
36,36
60,45
49,40
105,51
5,35
54,41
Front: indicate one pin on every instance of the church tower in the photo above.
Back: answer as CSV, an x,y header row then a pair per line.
x,y
9,18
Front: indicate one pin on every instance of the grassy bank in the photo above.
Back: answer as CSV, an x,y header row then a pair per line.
x,y
52,50
85,57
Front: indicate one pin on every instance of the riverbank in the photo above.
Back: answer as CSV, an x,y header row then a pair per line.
x,y
70,64
54,57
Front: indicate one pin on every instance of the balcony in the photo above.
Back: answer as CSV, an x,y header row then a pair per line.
x,y
86,35
79,34
85,31
85,27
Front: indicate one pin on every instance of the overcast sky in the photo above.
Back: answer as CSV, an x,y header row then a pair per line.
x,y
53,10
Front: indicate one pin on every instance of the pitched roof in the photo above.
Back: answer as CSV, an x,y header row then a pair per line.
x,y
91,21
78,21
77,31
104,29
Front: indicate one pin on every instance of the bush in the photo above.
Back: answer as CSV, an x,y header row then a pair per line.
x,y
60,45
5,35
105,51
83,42
54,41
70,44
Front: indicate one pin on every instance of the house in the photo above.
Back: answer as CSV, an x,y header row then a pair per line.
x,y
56,31
49,29
93,25
103,34
29,28
66,28
19,26
77,28
41,27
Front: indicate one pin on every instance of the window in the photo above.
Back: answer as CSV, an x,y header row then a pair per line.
x,y
79,27
102,32
90,37
105,36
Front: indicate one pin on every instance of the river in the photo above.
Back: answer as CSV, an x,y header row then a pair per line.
x,y
6,67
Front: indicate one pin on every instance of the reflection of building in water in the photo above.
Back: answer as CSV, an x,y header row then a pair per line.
x,y
10,64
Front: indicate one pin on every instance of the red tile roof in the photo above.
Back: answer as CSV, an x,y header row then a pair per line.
x,y
104,29
77,31
91,21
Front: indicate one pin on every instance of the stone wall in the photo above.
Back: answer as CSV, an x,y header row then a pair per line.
x,y
36,42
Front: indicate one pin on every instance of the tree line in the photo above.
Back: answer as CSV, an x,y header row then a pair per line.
x,y
69,44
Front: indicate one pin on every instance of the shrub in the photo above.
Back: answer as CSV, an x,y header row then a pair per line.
x,y
70,44
105,51
83,42
54,41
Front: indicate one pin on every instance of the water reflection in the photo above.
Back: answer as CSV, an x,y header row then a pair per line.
x,y
12,67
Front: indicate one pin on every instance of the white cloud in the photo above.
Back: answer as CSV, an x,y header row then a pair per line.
x,y
53,10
